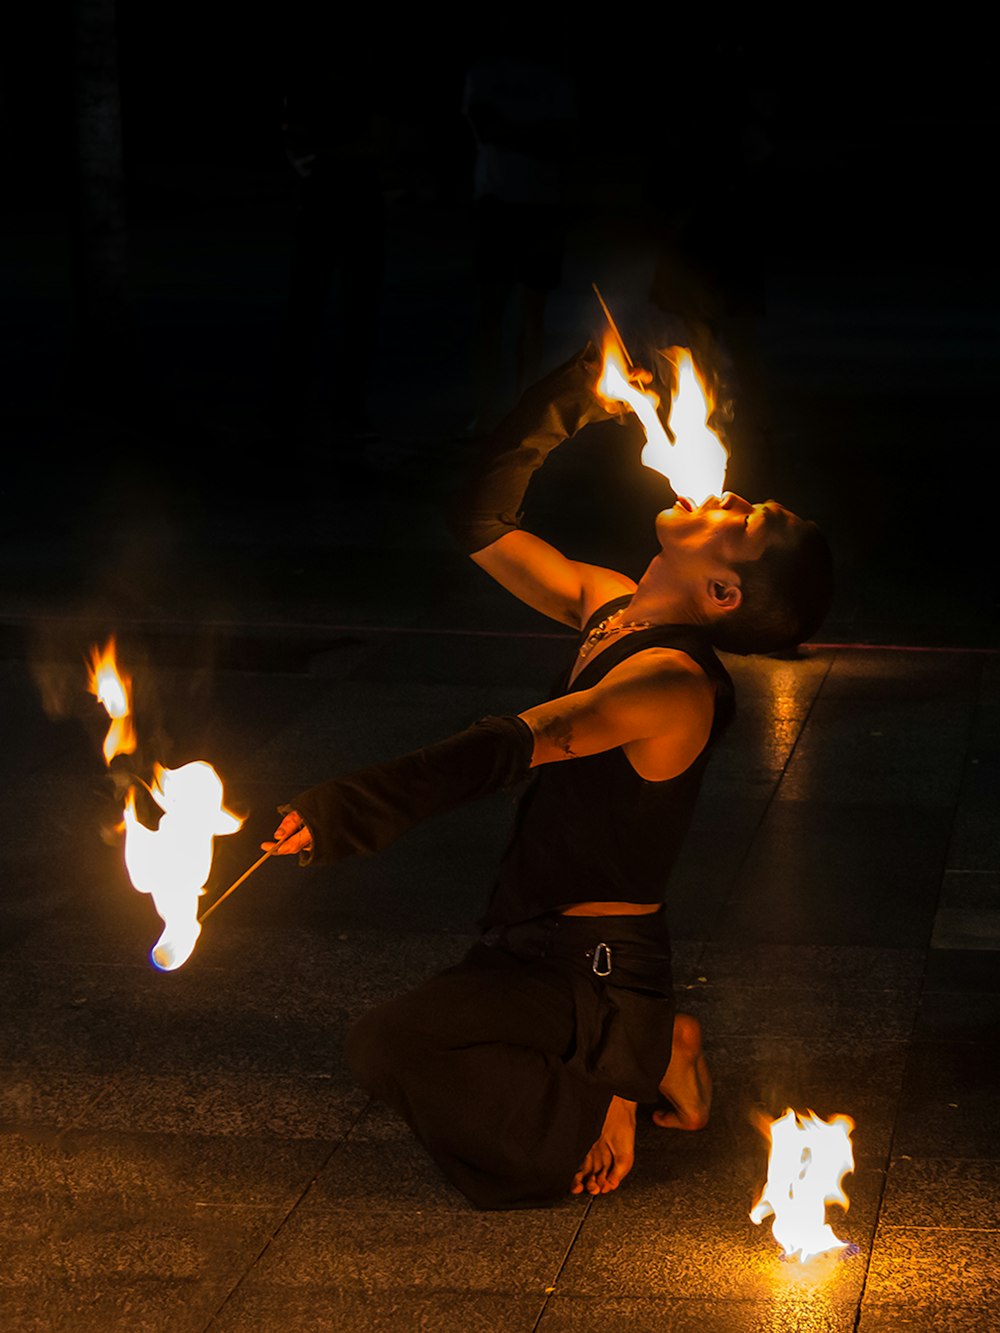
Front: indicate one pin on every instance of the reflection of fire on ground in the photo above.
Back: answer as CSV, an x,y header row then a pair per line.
x,y
808,1161
173,861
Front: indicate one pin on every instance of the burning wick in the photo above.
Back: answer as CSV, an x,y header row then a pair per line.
x,y
688,453
172,862
808,1161
113,691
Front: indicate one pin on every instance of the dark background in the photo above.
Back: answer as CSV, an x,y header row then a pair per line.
x,y
872,228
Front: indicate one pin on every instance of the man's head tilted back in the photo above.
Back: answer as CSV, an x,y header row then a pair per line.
x,y
763,576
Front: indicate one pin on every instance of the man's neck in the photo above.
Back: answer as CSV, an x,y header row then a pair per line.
x,y
662,600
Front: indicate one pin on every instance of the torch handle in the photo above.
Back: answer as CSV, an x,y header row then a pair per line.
x,y
613,326
233,887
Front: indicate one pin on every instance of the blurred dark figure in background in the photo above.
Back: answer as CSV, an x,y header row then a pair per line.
x,y
711,199
522,108
338,134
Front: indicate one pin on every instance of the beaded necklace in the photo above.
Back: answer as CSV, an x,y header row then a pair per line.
x,y
605,629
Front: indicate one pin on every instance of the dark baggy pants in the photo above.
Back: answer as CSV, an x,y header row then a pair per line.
x,y
505,1065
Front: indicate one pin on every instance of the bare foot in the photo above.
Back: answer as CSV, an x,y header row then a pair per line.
x,y
687,1084
610,1159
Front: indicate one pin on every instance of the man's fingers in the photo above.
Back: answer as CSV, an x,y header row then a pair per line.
x,y
290,846
290,837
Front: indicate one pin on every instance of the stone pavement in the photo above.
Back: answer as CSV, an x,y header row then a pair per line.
x,y
186,1151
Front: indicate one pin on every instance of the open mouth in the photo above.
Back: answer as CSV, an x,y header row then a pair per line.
x,y
682,502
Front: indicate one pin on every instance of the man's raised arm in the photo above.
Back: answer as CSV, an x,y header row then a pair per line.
x,y
486,518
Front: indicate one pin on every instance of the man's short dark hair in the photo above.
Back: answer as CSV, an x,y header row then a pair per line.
x,y
787,592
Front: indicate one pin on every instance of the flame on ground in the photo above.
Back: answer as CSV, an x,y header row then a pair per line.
x,y
172,862
808,1161
695,463
114,691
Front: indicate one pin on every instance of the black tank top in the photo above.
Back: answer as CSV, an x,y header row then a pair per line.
x,y
592,829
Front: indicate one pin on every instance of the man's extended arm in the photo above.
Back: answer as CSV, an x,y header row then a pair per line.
x,y
658,707
486,518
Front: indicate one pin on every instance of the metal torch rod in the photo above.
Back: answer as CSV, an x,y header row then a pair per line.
x,y
245,876
614,327
233,887
624,350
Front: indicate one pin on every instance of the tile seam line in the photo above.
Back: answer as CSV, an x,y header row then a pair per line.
x,y
280,1226
562,1264
890,1153
734,880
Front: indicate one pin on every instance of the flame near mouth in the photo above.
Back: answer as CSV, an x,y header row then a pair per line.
x,y
695,462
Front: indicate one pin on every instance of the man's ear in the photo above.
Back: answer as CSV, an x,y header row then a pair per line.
x,y
724,594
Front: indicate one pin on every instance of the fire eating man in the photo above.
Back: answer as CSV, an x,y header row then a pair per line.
x,y
520,1068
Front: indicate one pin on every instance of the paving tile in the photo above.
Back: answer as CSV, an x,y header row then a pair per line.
x,y
841,970
786,1011
963,1016
701,883
859,1079
932,1318
382,1166
42,1099
407,1249
55,1304
841,874
935,1266
247,1105
966,928
948,1101
781,686
962,970
880,751
856,674
942,1193
690,1238
256,1308
90,1247
127,1171
975,842
808,1311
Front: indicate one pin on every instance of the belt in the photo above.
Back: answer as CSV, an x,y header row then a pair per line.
x,y
638,945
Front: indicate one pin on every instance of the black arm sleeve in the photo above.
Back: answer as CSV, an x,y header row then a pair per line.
x,y
554,409
367,810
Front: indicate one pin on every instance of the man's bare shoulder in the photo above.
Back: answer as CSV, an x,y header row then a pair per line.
x,y
667,701
667,669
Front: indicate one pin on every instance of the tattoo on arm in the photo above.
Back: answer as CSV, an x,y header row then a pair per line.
x,y
558,732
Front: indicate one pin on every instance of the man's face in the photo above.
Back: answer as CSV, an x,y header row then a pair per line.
x,y
726,530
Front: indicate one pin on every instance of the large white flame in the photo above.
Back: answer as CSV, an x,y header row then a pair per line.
x,y
808,1161
172,862
695,463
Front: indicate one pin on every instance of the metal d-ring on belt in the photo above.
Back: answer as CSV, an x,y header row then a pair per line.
x,y
600,957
